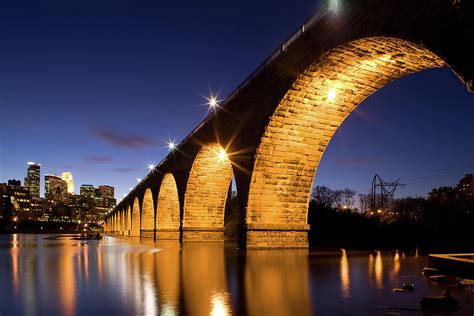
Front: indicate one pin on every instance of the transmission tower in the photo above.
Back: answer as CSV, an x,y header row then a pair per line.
x,y
383,192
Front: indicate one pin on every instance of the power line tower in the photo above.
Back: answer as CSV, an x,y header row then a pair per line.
x,y
382,193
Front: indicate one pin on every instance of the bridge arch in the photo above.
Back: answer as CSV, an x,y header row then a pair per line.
x,y
168,212
147,215
206,193
116,222
304,122
121,222
128,220
135,227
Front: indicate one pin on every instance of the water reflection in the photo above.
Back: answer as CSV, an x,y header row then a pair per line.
x,y
204,278
66,281
119,277
276,282
345,279
378,270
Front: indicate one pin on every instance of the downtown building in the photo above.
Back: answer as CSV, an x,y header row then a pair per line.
x,y
17,202
55,189
99,201
32,179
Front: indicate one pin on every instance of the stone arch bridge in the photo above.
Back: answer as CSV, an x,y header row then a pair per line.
x,y
271,132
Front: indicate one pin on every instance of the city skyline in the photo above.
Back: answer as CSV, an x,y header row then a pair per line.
x,y
129,106
65,176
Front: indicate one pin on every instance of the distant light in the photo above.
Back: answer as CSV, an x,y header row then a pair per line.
x,y
331,94
130,189
125,194
139,180
151,166
171,145
222,155
31,163
379,211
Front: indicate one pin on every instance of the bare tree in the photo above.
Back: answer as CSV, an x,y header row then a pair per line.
x,y
323,195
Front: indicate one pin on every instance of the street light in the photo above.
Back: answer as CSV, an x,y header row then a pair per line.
x,y
213,102
331,94
171,146
222,155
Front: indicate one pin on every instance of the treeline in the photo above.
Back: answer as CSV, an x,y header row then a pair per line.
x,y
443,221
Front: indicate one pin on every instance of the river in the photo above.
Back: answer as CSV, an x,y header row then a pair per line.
x,y
124,277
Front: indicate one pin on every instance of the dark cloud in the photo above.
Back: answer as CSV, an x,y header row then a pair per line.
x,y
125,170
124,140
358,161
98,159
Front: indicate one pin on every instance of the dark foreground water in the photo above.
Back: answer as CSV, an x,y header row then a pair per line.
x,y
119,277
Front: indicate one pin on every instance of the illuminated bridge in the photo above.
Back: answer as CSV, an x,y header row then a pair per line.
x,y
271,132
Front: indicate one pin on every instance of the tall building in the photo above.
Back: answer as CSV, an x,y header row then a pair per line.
x,y
55,189
32,180
67,176
466,184
87,190
106,191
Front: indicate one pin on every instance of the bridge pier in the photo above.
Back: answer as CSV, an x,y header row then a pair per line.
x,y
198,234
167,234
277,236
147,233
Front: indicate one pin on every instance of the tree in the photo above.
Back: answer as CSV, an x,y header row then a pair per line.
x,y
323,195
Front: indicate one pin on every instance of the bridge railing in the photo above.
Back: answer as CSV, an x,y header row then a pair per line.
x,y
318,15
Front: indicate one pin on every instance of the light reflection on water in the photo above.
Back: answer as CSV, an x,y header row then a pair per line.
x,y
118,277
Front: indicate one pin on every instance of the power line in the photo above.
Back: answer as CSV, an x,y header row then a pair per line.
x,y
440,170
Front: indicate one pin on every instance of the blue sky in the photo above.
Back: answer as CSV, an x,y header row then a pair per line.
x,y
98,87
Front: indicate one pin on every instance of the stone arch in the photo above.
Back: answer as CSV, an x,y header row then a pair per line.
x,y
206,193
167,212
123,218
114,222
128,221
148,215
135,227
305,121
119,222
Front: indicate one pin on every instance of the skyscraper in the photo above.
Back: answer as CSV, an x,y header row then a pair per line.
x,y
55,189
87,190
106,191
67,176
32,179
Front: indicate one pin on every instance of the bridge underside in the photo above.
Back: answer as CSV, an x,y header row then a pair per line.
x,y
271,135
304,123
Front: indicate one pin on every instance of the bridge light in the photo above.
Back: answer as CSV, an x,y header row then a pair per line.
x,y
334,6
331,94
125,194
139,180
151,166
222,155
130,189
213,102
171,146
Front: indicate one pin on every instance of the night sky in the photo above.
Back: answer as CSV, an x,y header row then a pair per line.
x,y
97,89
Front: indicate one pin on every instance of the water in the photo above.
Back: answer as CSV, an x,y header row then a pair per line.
x,y
119,277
